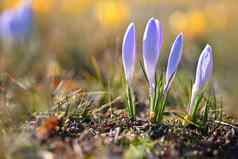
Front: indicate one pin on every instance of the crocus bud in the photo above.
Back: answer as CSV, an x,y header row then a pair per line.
x,y
129,52
160,34
152,42
16,24
173,61
203,74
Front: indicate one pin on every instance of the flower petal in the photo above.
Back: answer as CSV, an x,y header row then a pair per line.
x,y
174,60
204,67
151,49
129,52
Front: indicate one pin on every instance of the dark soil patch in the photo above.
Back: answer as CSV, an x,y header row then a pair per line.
x,y
115,136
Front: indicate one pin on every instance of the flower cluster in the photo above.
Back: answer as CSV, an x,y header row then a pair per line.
x,y
159,87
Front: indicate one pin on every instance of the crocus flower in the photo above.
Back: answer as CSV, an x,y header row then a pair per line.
x,y
203,74
152,42
173,61
16,24
160,34
129,52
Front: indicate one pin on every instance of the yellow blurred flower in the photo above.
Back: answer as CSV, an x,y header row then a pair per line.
x,y
197,23
75,7
43,6
193,23
164,2
7,4
38,6
111,13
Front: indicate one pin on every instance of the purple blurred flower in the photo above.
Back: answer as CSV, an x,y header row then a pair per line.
x,y
129,52
173,61
17,24
152,42
203,74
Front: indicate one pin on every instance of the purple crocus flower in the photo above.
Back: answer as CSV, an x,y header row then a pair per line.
x,y
152,42
16,24
173,61
129,52
160,34
203,74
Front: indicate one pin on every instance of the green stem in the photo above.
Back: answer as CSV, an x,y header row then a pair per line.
x,y
130,104
161,108
196,107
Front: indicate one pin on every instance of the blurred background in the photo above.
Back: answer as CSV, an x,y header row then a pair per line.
x,y
79,41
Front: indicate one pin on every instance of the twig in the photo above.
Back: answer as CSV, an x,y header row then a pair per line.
x,y
226,124
107,104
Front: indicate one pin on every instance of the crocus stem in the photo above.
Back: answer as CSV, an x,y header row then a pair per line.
x,y
155,101
206,111
152,111
130,104
193,100
152,94
153,98
161,107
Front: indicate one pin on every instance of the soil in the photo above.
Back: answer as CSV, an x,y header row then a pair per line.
x,y
113,135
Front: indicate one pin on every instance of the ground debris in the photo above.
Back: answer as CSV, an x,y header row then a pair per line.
x,y
111,137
